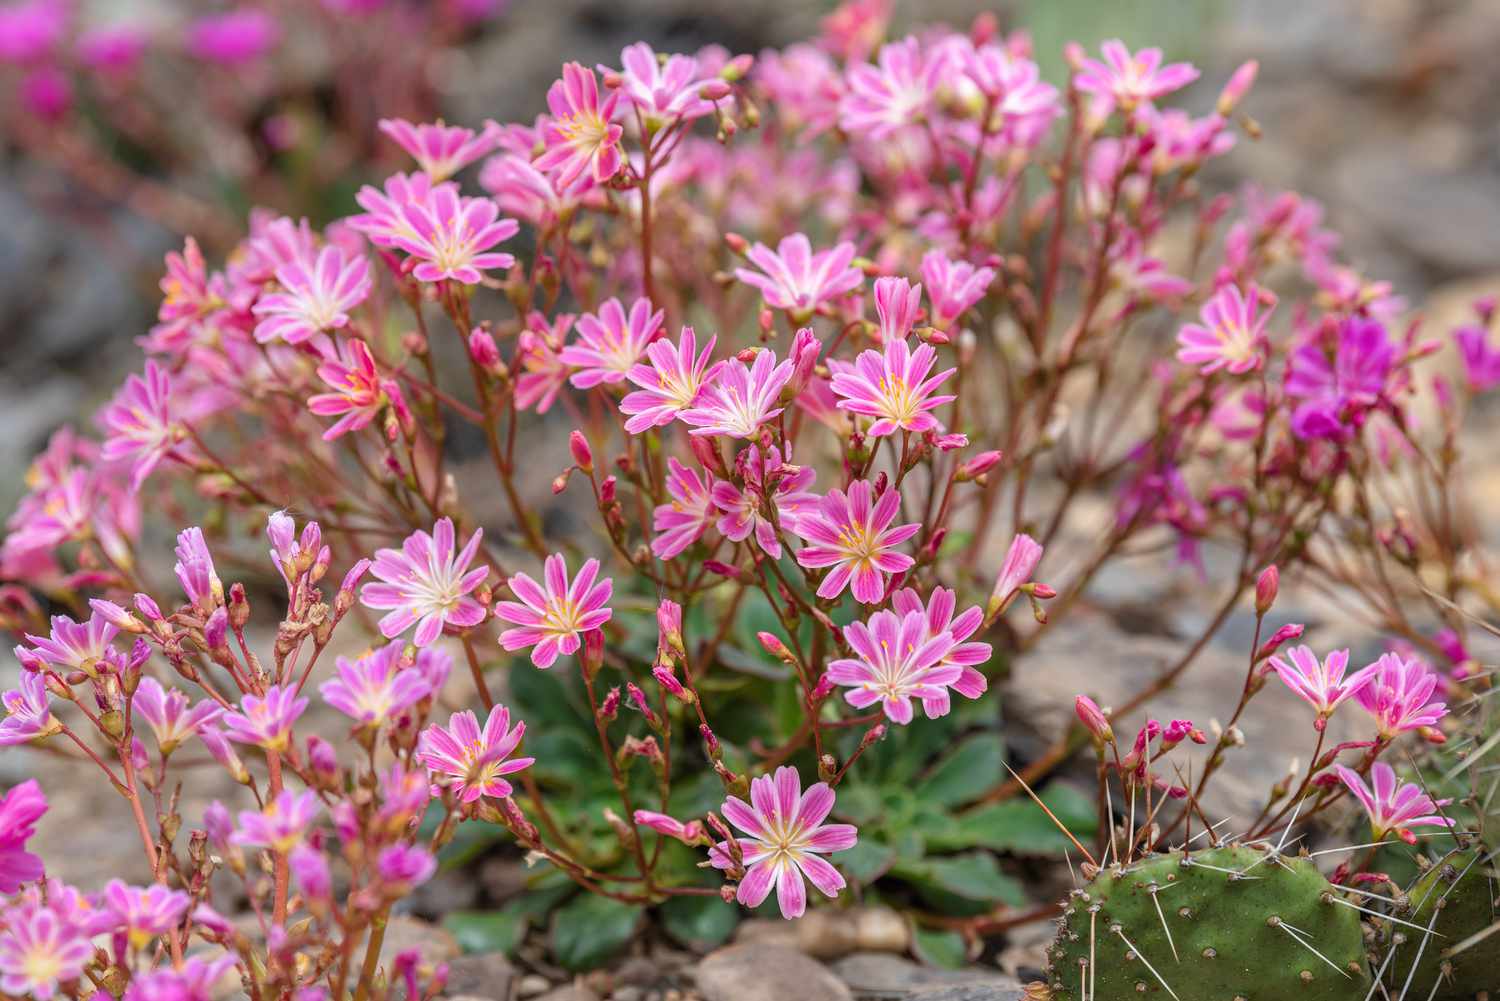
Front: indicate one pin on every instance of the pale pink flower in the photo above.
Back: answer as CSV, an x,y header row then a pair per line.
x,y
1399,695
739,399
39,950
1230,336
384,220
169,713
671,383
470,761
855,536
680,523
281,825
797,280
952,286
449,236
440,149
664,89
964,654
893,387
235,37
1129,80
542,372
76,646
786,839
1013,84
360,391
28,711
610,342
1020,563
266,721
580,138
143,913
1393,807
376,687
897,659
1321,684
140,424
195,570
895,93
315,297
767,481
551,619
426,583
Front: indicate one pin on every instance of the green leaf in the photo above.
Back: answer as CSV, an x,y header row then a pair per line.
x,y
1018,825
590,930
486,931
867,861
974,877
699,922
939,948
973,768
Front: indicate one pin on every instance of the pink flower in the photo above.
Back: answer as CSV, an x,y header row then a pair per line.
x,y
449,236
403,866
167,713
427,584
31,29
40,950
1397,695
28,712
680,523
441,150
1321,685
315,296
235,37
1336,393
664,90
20,809
139,424
897,660
612,342
952,286
739,399
1392,807
580,139
786,839
198,979
968,656
1230,336
896,93
266,721
384,219
1020,563
291,554
893,387
797,280
469,761
691,833
375,687
1129,80
855,537
1023,102
143,913
552,619
1481,360
195,570
360,392
672,382
767,481
75,646
542,372
281,825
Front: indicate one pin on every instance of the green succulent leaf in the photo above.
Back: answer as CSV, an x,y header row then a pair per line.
x,y
487,931
590,930
699,922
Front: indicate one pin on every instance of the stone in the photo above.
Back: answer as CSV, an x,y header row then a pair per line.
x,y
485,974
531,985
569,992
878,974
754,972
971,992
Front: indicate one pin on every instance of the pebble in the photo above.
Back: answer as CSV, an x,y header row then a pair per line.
x,y
754,972
875,974
484,974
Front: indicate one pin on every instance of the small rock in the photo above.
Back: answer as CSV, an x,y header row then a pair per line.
x,y
434,943
570,992
828,934
970,992
486,974
755,972
876,974
628,993
531,985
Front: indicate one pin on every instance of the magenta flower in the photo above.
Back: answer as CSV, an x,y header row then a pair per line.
x,y
266,721
1481,360
611,342
1130,80
281,825
441,150
893,387
195,570
767,481
897,92
966,655
294,555
375,687
28,711
427,584
740,399
1393,807
31,29
1321,685
786,839
1336,393
1023,103
169,715
664,90
690,833
449,236
469,761
39,950
580,139
855,536
143,913
315,296
897,660
384,220
542,373
672,382
235,37
551,619
360,392
75,646
402,867
139,424
1230,336
680,523
197,979
797,280
1398,693
20,809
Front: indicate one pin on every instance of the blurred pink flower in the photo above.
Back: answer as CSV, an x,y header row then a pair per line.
x,y
610,342
441,150
316,296
169,713
360,391
281,825
449,236
663,90
1130,80
235,37
266,721
20,809
952,286
1230,336
679,524
375,687
897,92
797,280
28,712
140,424
39,950
580,139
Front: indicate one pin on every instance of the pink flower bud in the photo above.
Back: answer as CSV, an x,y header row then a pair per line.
x,y
148,607
774,646
1240,82
978,466
1290,631
1266,586
582,454
1020,561
710,741
607,490
610,708
714,90
482,348
822,689
116,616
216,630
667,680
1093,719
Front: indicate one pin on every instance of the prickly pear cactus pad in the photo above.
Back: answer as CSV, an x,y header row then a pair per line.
x,y
1456,899
1237,922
